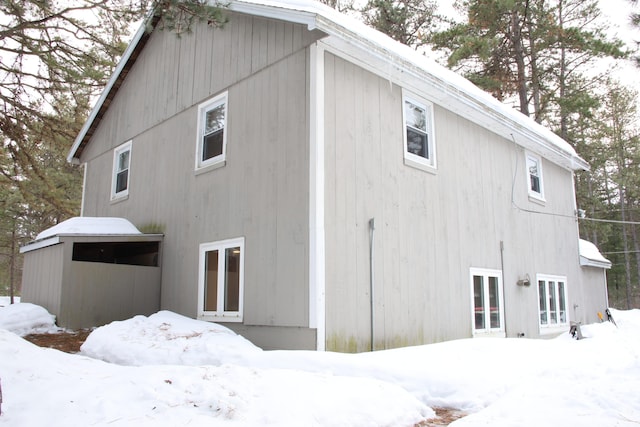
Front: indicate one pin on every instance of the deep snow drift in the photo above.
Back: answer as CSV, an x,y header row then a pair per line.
x,y
167,370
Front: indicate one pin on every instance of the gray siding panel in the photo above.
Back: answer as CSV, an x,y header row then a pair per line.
x,y
431,228
175,73
260,194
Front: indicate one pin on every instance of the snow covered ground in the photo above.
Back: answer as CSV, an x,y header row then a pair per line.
x,y
168,370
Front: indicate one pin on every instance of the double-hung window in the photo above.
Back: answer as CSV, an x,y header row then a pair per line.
x,y
212,135
487,302
121,166
221,280
534,176
419,143
552,302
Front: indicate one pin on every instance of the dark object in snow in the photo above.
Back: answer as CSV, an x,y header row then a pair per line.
x,y
610,317
575,330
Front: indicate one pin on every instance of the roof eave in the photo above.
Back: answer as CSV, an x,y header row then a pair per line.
x,y
112,86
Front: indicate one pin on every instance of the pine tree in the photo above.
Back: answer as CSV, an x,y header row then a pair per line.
x,y
536,51
407,21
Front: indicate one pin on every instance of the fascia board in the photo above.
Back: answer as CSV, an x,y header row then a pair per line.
x,y
587,262
39,244
275,11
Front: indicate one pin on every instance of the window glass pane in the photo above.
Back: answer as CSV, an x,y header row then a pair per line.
x,y
478,301
122,179
542,294
416,116
552,303
214,119
417,143
123,160
212,145
211,281
534,174
535,183
562,311
232,280
494,302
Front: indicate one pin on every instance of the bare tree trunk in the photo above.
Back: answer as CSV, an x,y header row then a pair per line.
x,y
518,48
535,79
12,262
625,241
636,249
562,79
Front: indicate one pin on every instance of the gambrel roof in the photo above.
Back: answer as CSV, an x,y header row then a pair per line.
x,y
384,56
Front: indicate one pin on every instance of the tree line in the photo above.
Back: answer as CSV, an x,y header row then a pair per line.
x,y
550,59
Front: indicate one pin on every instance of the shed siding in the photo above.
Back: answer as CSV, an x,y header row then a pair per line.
x,y
42,277
430,228
89,300
260,193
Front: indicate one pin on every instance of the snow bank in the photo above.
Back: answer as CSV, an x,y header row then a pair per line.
x,y
5,301
47,387
25,318
166,338
501,382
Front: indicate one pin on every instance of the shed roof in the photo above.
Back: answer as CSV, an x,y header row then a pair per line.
x,y
590,256
388,57
82,226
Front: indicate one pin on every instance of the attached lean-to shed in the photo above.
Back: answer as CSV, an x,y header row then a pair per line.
x,y
92,271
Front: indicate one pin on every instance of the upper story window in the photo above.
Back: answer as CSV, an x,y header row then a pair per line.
x,y
221,280
212,137
121,166
488,302
552,302
534,177
419,142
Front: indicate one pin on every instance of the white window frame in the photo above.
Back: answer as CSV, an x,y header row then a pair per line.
x,y
559,326
203,109
219,314
487,331
116,195
424,163
537,160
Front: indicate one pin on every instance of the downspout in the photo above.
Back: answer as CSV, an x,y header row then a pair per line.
x,y
504,309
372,228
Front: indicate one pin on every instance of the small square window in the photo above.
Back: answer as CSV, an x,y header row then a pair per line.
x,y
121,168
221,280
534,177
419,146
211,145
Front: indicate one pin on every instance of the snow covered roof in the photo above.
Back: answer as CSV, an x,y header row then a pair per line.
x,y
387,57
590,255
79,226
90,225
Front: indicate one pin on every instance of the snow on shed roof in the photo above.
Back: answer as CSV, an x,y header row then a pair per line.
x,y
90,226
391,58
591,256
83,226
